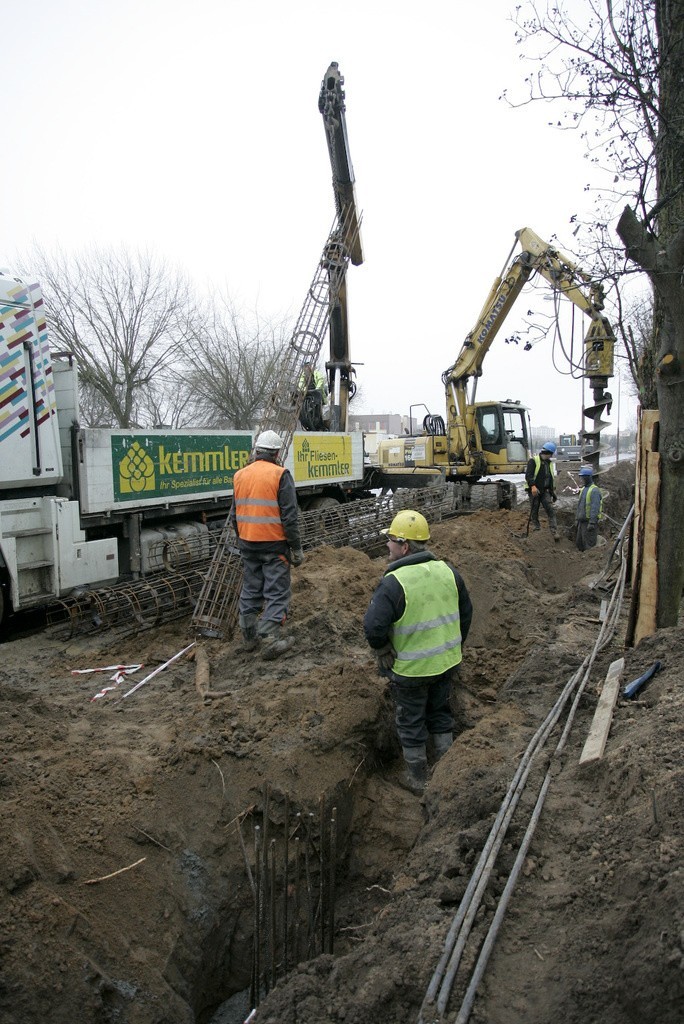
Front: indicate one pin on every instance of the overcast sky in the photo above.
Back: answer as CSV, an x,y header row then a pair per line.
x,y
193,129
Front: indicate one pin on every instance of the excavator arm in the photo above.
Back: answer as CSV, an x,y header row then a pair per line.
x,y
536,257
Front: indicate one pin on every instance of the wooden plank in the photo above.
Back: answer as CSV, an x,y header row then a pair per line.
x,y
646,498
603,716
648,583
648,423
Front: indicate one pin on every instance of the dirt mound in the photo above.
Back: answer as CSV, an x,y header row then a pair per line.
x,y
130,822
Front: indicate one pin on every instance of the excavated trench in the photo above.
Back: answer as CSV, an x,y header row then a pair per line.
x,y
142,797
308,886
304,872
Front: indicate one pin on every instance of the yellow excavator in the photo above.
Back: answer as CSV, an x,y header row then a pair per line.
x,y
481,439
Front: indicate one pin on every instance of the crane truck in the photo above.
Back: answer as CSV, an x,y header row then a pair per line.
x,y
338,366
82,507
341,386
481,439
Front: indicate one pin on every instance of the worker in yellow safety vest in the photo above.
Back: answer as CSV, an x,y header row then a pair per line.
x,y
540,484
312,379
416,623
589,510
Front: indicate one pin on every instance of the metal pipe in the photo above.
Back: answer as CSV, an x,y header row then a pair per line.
x,y
331,882
297,851
455,942
257,917
495,838
273,914
309,896
286,886
466,1006
321,870
485,952
265,877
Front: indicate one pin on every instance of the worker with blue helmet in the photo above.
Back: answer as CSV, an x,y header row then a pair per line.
x,y
540,484
589,510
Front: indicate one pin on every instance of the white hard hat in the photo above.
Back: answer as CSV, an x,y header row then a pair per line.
x,y
269,440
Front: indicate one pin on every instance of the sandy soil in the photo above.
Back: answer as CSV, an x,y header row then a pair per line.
x,y
173,786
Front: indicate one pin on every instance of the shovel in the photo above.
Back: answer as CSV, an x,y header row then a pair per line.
x,y
529,520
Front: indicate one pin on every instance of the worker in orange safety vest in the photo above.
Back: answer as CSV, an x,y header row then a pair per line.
x,y
265,517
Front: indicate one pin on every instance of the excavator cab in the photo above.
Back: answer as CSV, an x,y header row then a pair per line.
x,y
504,436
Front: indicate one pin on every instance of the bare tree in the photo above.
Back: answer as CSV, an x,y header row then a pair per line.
x,y
640,343
126,317
234,366
617,66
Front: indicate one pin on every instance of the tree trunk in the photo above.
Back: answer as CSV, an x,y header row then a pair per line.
x,y
671,446
664,268
658,248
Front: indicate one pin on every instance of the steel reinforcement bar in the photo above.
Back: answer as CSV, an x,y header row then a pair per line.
x,y
172,589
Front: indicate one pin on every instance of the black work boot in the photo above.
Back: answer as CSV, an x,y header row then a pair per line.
x,y
250,639
274,646
441,742
273,643
416,775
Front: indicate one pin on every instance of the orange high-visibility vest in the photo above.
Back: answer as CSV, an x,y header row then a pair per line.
x,y
255,490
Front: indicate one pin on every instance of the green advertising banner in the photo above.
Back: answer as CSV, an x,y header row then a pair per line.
x,y
173,465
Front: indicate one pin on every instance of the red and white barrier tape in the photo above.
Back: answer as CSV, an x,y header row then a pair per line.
x,y
120,673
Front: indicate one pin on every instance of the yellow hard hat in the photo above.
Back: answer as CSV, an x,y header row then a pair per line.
x,y
408,525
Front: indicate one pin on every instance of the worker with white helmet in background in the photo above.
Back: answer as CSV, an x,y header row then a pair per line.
x,y
589,510
540,484
416,623
265,517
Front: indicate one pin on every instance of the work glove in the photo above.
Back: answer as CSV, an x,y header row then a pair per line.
x,y
534,491
296,556
385,657
554,498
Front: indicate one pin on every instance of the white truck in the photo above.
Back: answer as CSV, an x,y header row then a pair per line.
x,y
81,506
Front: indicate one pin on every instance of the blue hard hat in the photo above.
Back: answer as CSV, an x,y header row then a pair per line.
x,y
548,447
586,471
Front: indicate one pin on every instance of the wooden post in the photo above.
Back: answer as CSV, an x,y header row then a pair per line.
x,y
644,569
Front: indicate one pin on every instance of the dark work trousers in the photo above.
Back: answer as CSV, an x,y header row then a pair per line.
x,y
422,707
585,538
546,500
265,585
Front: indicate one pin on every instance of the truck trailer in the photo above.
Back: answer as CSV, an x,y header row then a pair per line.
x,y
83,506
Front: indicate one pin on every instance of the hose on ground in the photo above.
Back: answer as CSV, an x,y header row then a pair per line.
x,y
445,972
